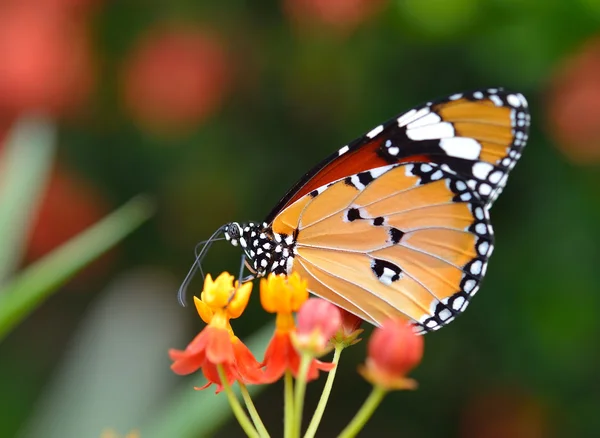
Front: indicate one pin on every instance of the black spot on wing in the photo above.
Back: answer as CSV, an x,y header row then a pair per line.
x,y
395,235
378,221
353,214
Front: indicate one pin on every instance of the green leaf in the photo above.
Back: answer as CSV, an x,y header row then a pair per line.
x,y
25,164
36,283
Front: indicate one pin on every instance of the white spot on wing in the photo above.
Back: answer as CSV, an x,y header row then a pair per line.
x,y
461,147
411,115
343,150
438,174
375,131
497,101
485,189
378,171
458,303
513,100
476,267
429,119
481,170
387,276
496,177
470,285
480,228
439,130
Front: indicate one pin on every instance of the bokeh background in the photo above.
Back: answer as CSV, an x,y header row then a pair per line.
x,y
215,109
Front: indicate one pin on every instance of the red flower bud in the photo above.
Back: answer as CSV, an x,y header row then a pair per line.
x,y
393,351
318,321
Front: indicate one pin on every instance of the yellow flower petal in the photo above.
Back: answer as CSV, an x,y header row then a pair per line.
x,y
204,311
240,300
217,293
280,294
299,291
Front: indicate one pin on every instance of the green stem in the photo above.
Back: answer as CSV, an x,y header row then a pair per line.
x,y
305,361
239,413
364,413
318,415
260,427
289,404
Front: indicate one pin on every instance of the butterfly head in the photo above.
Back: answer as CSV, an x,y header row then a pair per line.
x,y
253,239
265,250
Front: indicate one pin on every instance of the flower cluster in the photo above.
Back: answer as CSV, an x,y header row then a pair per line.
x,y
305,330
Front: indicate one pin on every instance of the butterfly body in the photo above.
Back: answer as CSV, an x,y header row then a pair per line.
x,y
396,223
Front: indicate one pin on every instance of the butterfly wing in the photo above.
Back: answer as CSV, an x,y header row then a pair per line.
x,y
478,135
408,240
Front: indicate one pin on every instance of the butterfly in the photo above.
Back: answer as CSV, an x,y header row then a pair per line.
x,y
397,222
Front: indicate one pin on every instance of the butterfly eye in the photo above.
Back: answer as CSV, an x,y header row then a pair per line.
x,y
232,231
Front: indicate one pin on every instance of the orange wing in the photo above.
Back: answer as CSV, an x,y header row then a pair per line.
x,y
409,240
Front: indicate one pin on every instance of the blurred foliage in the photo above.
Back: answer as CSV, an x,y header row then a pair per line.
x,y
218,107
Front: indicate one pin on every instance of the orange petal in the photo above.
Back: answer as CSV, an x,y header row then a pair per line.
x,y
248,367
186,363
276,357
219,349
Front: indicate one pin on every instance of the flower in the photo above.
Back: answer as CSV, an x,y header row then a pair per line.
x,y
217,345
339,15
349,329
198,73
573,104
283,296
393,351
47,60
318,321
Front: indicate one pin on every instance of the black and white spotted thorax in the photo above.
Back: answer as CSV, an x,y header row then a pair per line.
x,y
266,250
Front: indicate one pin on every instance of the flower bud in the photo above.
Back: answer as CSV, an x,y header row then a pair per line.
x,y
393,351
318,321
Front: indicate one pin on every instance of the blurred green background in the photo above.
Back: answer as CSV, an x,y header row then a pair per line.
x,y
215,109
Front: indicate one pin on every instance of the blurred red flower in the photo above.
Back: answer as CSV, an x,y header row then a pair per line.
x,y
341,15
393,351
46,60
318,321
69,205
573,108
174,79
71,7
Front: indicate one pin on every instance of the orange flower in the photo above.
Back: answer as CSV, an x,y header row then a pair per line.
x,y
393,351
284,296
219,302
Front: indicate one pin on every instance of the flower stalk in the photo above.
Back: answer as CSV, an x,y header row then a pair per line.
x,y
320,410
364,413
258,424
237,409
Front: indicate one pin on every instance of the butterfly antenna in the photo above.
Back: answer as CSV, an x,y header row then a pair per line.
x,y
197,265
